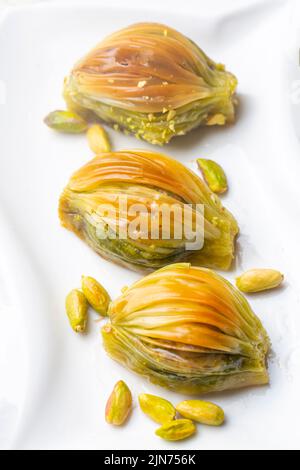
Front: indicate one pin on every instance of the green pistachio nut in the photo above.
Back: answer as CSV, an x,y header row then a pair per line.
x,y
119,404
213,174
157,408
98,139
256,280
176,430
66,121
77,310
95,294
201,411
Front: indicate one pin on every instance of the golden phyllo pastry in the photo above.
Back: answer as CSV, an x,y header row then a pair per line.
x,y
151,81
188,329
92,206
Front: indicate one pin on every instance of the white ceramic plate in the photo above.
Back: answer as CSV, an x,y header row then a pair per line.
x,y
54,384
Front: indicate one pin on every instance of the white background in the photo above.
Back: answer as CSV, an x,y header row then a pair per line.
x,y
54,385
